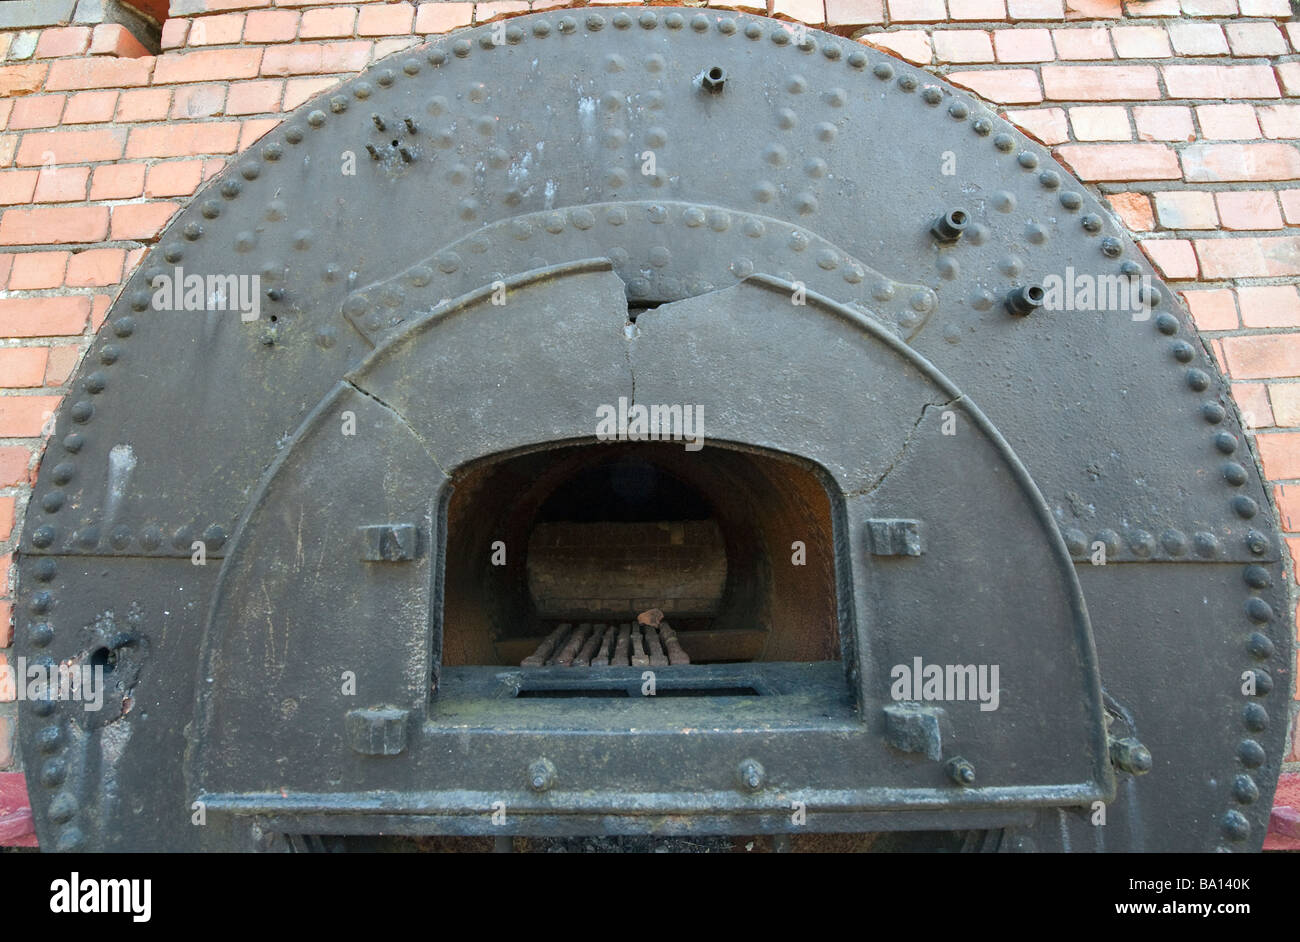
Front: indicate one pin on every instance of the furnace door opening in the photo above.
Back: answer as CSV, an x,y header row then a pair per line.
x,y
552,555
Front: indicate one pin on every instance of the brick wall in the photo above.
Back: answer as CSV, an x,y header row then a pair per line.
x,y
1184,114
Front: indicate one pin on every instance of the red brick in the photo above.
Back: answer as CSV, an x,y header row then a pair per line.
x,y
24,416
386,47
114,39
1141,42
1227,122
43,317
1100,123
8,145
22,367
1220,81
22,79
916,11
1290,206
1172,258
1256,39
1209,7
53,225
221,30
95,268
912,44
174,178
1035,9
1198,39
1252,398
198,101
1263,356
1187,209
254,130
297,91
17,186
61,185
429,19
121,181
1269,306
1279,121
315,58
101,72
1082,44
6,265
1024,45
1285,400
63,360
1164,123
1101,162
1273,8
1100,82
1133,209
145,104
1238,257
6,528
1249,209
394,19
1004,86
141,221
37,111
90,107
1279,453
33,271
6,624
174,32
1093,9
184,140
71,147
962,45
60,42
8,683
341,22
6,108
99,311
796,9
208,65
1047,125
982,10
1222,163
1287,497
15,460
271,26
254,97
1212,309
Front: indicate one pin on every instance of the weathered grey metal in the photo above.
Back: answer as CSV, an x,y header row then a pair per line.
x,y
780,212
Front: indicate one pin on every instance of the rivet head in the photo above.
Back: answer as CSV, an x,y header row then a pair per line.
x,y
43,536
40,603
69,840
73,443
1235,826
1091,223
41,634
1071,200
1049,179
316,119
1244,789
1251,754
1260,646
1167,324
1254,717
541,775
1257,577
1027,159
52,501
1244,507
883,71
1259,611
273,151
960,772
252,170
1111,247
1004,142
751,774
49,739
1206,544
1225,442
53,772
1174,542
1213,413
1198,380
1234,473
1182,351
1256,542
62,807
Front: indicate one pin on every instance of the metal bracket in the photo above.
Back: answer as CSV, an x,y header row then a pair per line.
x,y
377,731
389,542
911,727
894,537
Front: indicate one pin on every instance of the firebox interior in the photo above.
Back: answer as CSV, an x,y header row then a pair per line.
x,y
734,545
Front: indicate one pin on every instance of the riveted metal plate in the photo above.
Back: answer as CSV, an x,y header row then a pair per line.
x,y
819,166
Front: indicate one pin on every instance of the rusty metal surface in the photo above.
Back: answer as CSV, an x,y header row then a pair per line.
x,y
815,170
